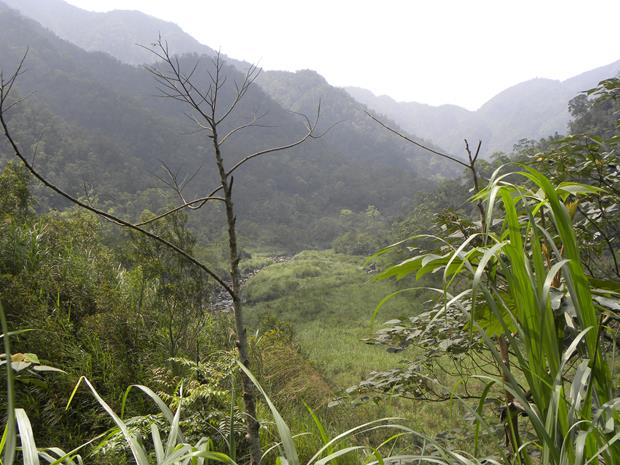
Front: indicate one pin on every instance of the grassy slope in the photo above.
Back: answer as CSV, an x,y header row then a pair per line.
x,y
329,300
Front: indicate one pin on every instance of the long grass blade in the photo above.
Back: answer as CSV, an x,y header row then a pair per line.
x,y
9,437
157,443
290,451
339,453
30,454
322,432
136,448
174,430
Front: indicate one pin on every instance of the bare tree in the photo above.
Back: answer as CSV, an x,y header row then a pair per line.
x,y
206,108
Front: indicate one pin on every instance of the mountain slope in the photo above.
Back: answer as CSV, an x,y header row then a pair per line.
x,y
118,33
532,109
67,22
109,108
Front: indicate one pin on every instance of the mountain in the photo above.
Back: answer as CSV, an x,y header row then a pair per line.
x,y
118,33
93,118
532,109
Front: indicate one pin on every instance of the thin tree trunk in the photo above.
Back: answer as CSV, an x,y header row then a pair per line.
x,y
511,416
249,398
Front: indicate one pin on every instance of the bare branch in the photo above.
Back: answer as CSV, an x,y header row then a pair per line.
x,y
178,86
174,184
190,178
86,206
200,201
250,124
7,85
309,124
250,76
422,146
310,131
474,157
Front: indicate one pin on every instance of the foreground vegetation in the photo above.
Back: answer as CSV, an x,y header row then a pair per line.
x,y
567,417
501,325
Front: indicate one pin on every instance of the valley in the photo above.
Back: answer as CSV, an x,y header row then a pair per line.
x,y
204,262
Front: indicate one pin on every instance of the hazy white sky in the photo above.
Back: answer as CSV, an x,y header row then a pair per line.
x,y
430,51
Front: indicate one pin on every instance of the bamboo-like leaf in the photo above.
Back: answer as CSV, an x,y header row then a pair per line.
x,y
483,397
149,392
9,437
486,257
136,448
321,429
174,430
157,443
62,457
339,453
366,427
457,254
378,456
576,281
30,454
71,457
389,297
284,432
579,388
576,188
608,443
402,269
580,445
15,333
210,455
553,271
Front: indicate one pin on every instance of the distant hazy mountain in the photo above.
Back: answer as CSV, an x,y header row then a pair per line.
x,y
532,109
118,33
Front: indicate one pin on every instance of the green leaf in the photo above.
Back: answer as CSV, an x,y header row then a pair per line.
x,y
575,188
290,451
30,453
9,437
136,448
322,432
606,284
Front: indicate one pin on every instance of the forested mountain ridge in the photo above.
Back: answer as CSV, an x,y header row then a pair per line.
x,y
529,110
300,91
109,32
94,97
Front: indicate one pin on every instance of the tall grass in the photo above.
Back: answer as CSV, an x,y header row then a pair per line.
x,y
559,377
561,413
171,448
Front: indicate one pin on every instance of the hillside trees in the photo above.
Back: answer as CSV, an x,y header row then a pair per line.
x,y
182,294
533,272
590,155
208,101
57,278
